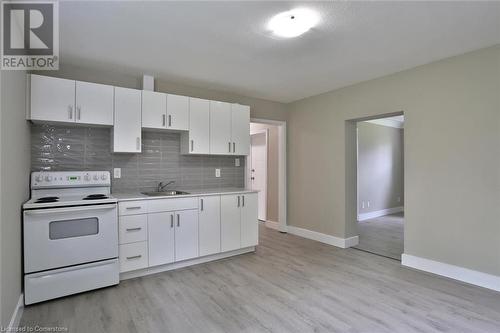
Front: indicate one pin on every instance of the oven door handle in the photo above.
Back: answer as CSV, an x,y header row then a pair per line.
x,y
69,209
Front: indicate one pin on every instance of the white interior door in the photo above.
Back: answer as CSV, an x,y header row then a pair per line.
x,y
258,170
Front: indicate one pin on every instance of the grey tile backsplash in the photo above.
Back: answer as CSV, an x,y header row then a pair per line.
x,y
66,148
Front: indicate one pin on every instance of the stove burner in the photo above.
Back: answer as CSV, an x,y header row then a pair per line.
x,y
47,199
96,197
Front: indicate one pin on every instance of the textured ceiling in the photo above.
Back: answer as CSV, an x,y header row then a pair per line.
x,y
225,45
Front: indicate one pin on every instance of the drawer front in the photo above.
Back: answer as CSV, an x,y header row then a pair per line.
x,y
167,205
133,256
132,207
133,228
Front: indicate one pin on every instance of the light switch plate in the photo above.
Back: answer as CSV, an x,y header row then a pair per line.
x,y
217,173
237,162
117,173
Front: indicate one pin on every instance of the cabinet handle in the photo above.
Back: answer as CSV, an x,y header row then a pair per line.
x,y
134,229
134,257
229,146
192,145
201,201
135,207
169,120
178,220
234,147
243,204
238,200
138,143
70,112
172,221
164,123
78,113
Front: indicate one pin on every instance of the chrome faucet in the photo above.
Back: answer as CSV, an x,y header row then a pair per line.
x,y
161,185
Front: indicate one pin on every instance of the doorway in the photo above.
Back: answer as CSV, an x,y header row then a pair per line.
x,y
266,170
380,186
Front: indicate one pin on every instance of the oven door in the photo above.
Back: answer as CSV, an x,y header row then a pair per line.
x,y
67,236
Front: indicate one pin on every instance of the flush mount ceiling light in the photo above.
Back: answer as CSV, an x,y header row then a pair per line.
x,y
293,23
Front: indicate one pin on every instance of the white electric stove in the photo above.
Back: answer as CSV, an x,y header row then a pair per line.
x,y
70,234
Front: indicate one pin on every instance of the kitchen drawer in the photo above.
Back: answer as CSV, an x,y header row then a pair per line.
x,y
167,205
133,228
133,256
132,207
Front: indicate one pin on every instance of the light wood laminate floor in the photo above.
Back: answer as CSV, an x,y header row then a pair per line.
x,y
290,284
382,235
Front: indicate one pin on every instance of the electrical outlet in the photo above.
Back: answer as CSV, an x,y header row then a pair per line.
x,y
237,162
117,173
217,173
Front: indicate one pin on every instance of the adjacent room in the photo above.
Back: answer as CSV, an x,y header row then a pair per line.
x,y
250,166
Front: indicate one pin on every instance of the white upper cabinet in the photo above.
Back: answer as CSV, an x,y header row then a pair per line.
x,y
220,128
94,103
249,220
197,140
177,112
52,99
154,109
127,129
240,129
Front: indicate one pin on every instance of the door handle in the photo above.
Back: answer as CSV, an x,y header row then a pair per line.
x,y
134,257
234,147
133,229
201,201
164,122
70,112
238,200
135,207
178,220
171,220
229,146
243,203
169,120
192,145
252,178
78,113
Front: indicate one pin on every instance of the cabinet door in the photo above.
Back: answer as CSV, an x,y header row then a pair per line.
x,y
249,220
209,222
230,227
154,109
161,239
52,99
199,126
186,234
178,112
94,103
127,128
240,129
220,128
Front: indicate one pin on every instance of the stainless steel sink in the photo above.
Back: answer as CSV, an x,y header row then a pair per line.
x,y
164,193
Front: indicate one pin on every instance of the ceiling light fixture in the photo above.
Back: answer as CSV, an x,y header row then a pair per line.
x,y
293,23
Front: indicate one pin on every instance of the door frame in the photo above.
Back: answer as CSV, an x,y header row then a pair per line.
x,y
248,177
282,177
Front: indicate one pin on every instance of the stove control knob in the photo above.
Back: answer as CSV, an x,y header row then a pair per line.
x,y
104,176
87,178
39,178
96,177
48,178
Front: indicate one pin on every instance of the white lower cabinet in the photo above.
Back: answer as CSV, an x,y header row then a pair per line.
x,y
161,238
186,234
230,224
163,231
209,222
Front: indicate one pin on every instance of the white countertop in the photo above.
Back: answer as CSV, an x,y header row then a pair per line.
x,y
131,196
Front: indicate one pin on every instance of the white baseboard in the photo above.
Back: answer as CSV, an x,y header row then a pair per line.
x,y
467,275
324,238
18,312
180,264
272,224
378,213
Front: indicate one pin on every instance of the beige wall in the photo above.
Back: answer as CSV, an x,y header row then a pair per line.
x,y
452,157
259,108
14,190
272,169
380,167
